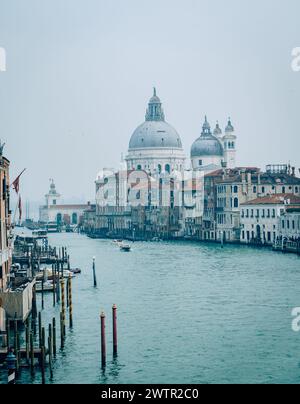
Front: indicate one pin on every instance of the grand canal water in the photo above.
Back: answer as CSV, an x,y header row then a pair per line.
x,y
187,313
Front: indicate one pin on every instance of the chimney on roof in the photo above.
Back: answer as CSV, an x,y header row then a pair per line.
x,y
293,171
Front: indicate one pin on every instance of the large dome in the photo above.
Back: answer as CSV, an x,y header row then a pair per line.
x,y
207,144
155,132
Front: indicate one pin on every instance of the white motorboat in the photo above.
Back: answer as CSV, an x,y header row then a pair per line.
x,y
125,247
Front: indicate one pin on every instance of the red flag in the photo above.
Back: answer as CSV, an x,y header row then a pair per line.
x,y
16,183
20,208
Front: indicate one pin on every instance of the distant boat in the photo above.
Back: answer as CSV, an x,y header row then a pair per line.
x,y
75,271
118,242
48,274
125,247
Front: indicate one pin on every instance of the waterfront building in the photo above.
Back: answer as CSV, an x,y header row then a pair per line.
x,y
89,219
261,217
289,223
5,239
60,214
244,184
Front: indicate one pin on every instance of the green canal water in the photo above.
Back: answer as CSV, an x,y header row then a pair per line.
x,y
187,313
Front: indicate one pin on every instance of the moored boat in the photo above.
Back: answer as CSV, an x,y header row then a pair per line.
x,y
47,287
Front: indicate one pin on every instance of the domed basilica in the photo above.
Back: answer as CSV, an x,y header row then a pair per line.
x,y
156,147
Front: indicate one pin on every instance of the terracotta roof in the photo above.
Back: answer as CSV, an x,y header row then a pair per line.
x,y
276,199
216,173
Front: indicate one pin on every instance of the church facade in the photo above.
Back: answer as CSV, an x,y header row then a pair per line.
x,y
158,190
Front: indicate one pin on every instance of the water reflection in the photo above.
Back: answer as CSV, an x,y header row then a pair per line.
x,y
186,313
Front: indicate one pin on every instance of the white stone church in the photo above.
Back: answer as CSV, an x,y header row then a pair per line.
x,y
156,148
155,161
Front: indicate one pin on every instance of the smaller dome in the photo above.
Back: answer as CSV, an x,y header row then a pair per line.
x,y
229,127
207,144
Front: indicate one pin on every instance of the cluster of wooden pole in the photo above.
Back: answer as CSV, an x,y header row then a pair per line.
x,y
103,335
30,352
47,348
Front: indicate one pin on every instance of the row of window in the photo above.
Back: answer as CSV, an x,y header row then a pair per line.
x,y
222,202
222,189
263,213
289,224
160,167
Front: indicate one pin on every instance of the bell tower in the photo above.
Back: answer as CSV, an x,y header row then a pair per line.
x,y
229,143
53,196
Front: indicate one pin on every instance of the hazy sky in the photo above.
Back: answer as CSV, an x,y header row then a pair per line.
x,y
80,73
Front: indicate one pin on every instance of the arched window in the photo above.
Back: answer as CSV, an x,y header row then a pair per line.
x,y
168,168
74,218
139,167
236,202
235,189
159,168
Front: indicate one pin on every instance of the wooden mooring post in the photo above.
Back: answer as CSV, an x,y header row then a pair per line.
x,y
50,346
70,302
57,282
94,272
40,329
16,342
34,307
63,305
62,342
54,283
103,341
31,353
43,303
115,335
27,340
43,356
54,335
